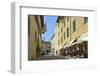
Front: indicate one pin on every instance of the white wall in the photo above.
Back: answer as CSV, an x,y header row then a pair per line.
x,y
5,35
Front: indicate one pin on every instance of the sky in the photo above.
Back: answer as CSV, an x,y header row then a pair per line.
x,y
50,22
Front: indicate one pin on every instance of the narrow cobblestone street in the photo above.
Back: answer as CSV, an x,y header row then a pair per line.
x,y
48,57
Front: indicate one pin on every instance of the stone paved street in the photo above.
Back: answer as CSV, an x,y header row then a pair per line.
x,y
48,57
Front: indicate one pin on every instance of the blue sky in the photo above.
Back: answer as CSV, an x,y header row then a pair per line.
x,y
50,25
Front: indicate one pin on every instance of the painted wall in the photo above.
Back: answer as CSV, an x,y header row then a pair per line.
x,y
53,44
34,38
81,27
65,23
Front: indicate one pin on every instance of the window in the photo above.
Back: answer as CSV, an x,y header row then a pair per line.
x,y
61,29
58,42
64,35
58,33
58,24
61,39
67,18
85,19
67,32
64,22
74,26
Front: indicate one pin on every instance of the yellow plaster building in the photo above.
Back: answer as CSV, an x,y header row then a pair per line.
x,y
35,29
69,28
53,44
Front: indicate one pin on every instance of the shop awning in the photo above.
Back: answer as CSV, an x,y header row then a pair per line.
x,y
84,37
66,45
61,47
